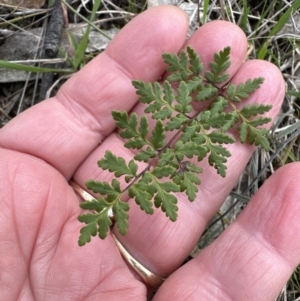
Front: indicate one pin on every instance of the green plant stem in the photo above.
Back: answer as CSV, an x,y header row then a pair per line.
x,y
151,163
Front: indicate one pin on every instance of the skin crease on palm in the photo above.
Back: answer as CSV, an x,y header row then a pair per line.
x,y
64,137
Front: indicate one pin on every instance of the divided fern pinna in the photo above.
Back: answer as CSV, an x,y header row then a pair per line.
x,y
170,164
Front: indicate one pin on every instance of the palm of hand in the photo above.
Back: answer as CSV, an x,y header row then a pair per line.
x,y
40,258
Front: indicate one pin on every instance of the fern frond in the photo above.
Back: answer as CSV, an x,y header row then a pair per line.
x,y
137,137
170,137
166,200
117,165
254,109
218,66
183,99
196,66
177,65
206,92
158,135
243,91
253,135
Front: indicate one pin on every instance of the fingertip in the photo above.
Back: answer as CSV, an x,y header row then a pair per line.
x,y
214,37
275,84
146,37
135,53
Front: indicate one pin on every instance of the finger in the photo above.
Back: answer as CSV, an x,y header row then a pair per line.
x,y
153,239
65,129
255,256
215,36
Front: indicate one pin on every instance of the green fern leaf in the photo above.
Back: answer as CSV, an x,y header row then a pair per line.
x,y
120,212
136,143
221,61
133,167
102,187
229,120
220,64
158,135
257,137
243,132
175,77
177,64
149,179
161,107
163,113
97,205
184,99
169,187
126,123
259,121
242,91
190,131
129,129
145,155
143,129
254,109
116,185
173,62
253,135
222,120
183,59
217,162
95,223
104,224
218,121
189,149
146,91
199,138
165,200
196,65
87,231
163,171
128,179
143,198
159,99
204,117
176,122
166,157
153,107
193,168
194,84
219,137
207,92
117,165
168,93
218,105
188,183
217,158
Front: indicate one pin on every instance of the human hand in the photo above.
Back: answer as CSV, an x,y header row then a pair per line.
x,y
63,138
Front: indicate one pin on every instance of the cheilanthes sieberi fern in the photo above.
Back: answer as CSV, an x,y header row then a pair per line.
x,y
171,163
